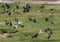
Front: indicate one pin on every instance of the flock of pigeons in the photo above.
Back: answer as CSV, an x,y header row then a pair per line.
x,y
6,9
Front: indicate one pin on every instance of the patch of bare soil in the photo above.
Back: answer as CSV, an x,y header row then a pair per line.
x,y
7,34
44,1
4,35
9,1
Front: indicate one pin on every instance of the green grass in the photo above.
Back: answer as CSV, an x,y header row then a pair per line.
x,y
30,27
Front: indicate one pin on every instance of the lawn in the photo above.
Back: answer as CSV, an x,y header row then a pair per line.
x,y
31,27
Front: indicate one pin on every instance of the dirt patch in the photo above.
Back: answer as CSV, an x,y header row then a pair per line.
x,y
44,2
4,35
33,1
9,1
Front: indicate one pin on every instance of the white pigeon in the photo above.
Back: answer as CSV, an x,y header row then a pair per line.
x,y
20,23
15,26
40,31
